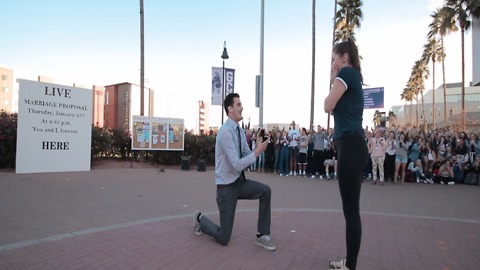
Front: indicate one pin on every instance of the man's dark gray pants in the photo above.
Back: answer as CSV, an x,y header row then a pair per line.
x,y
227,197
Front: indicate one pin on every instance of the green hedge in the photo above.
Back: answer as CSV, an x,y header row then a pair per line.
x,y
8,139
112,143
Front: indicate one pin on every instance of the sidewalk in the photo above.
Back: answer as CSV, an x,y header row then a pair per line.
x,y
142,219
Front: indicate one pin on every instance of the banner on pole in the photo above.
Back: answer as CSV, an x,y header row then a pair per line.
x,y
217,80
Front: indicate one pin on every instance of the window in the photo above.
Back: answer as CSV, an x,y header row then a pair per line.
x,y
4,77
6,90
472,97
454,98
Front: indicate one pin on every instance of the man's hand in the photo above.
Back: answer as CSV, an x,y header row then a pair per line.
x,y
261,145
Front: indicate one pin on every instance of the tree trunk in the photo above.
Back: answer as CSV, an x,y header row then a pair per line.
x,y
312,96
444,90
424,116
464,115
416,108
434,113
333,43
411,113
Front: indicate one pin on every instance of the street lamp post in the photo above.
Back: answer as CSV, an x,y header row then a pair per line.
x,y
224,56
260,92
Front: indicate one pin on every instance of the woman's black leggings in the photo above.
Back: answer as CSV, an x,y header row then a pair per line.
x,y
352,159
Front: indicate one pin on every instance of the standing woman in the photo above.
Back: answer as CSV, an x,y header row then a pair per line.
x,y
390,156
345,101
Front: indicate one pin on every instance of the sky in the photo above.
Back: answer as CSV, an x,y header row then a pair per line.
x,y
97,42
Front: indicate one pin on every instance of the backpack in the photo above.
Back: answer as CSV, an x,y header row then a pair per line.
x,y
457,174
471,178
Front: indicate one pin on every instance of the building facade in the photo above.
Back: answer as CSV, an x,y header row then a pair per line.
x,y
203,112
407,113
122,101
6,90
98,111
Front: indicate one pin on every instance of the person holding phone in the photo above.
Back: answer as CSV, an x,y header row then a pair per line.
x,y
232,157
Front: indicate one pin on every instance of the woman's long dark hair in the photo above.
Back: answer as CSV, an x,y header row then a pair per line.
x,y
348,47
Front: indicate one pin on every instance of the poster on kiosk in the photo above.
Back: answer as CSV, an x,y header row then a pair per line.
x,y
157,133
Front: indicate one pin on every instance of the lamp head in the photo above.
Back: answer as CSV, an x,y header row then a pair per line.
x,y
225,53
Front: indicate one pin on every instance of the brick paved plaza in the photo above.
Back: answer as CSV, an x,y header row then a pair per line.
x,y
141,218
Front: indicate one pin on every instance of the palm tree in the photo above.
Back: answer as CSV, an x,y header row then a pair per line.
x,y
430,52
348,18
392,118
333,44
403,96
461,11
420,73
407,95
312,96
441,25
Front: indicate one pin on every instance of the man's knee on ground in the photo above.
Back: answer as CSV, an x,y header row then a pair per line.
x,y
223,240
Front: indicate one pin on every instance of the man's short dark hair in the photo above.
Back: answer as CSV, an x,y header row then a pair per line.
x,y
229,101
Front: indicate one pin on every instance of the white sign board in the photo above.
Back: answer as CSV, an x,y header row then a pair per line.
x,y
54,129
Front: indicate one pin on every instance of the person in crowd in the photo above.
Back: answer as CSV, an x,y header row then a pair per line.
x,y
460,148
458,168
278,145
283,168
310,169
390,157
367,171
445,173
427,166
232,157
415,149
293,136
428,152
261,157
270,153
442,147
449,153
401,158
345,100
248,134
436,166
377,147
302,152
253,167
472,172
330,161
416,168
319,139
473,146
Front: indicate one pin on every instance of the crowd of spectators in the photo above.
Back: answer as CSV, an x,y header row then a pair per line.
x,y
396,154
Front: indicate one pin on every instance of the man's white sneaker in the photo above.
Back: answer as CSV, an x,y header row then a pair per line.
x,y
196,224
266,242
313,176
